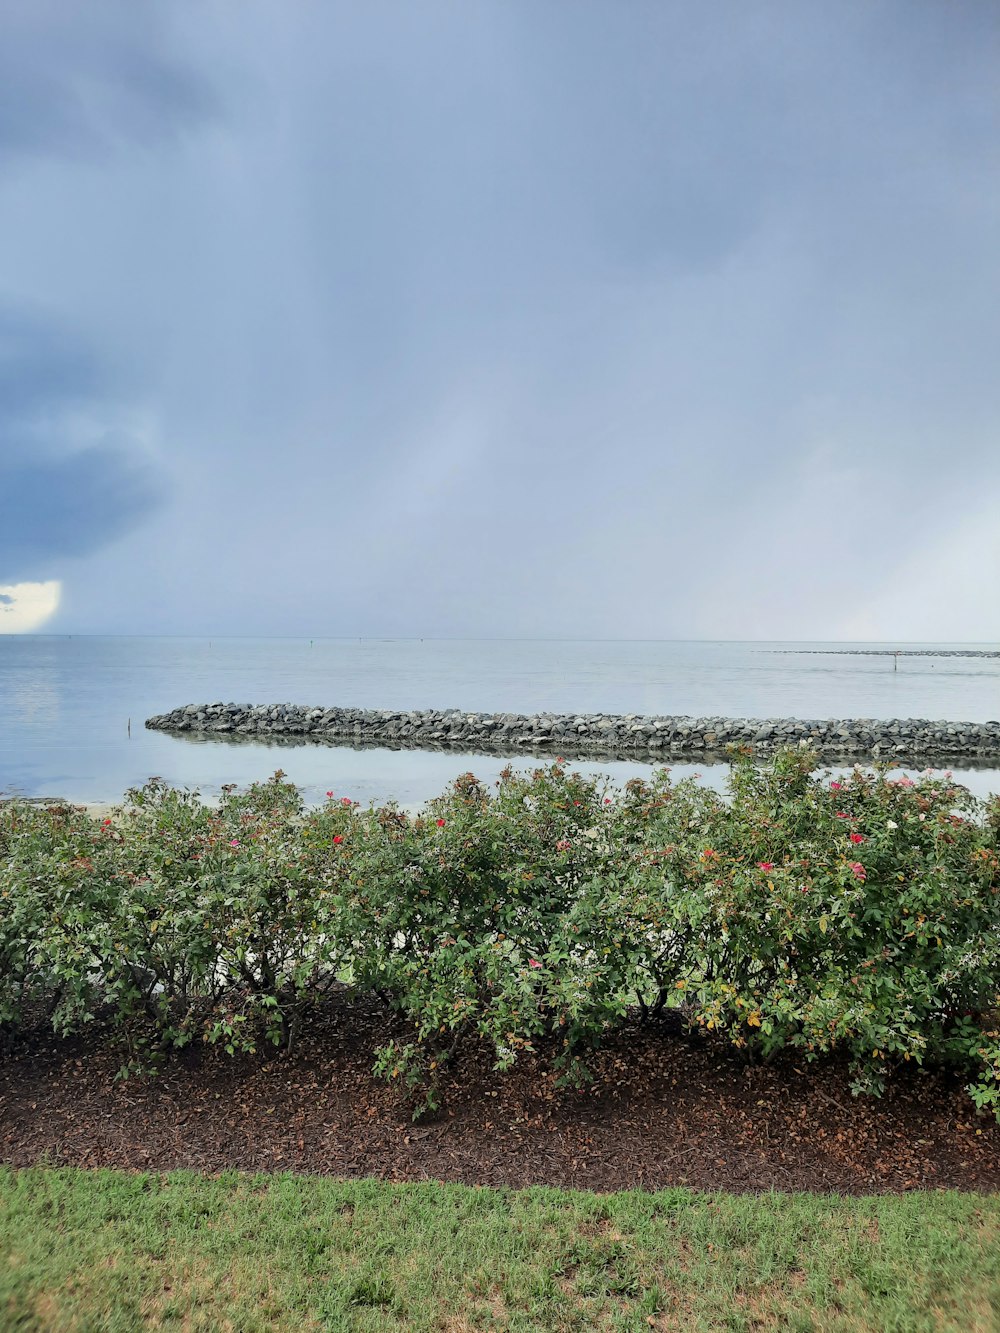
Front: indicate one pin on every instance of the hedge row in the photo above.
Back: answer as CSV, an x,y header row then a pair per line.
x,y
858,915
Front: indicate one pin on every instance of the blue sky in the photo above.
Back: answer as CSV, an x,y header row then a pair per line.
x,y
499,317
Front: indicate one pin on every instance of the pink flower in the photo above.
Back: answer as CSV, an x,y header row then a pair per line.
x,y
533,962
346,800
904,782
607,800
234,842
560,759
337,838
765,865
836,786
857,837
329,794
563,846
857,869
440,823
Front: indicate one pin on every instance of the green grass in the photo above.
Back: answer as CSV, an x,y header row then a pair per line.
x,y
104,1250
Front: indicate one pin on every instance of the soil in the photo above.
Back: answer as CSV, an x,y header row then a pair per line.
x,y
665,1109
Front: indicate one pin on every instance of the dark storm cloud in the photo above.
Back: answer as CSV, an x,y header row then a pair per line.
x,y
62,493
88,78
43,367
71,506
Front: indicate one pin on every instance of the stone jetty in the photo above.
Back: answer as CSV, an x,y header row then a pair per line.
x,y
883,652
583,734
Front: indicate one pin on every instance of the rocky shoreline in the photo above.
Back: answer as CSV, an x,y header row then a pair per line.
x,y
583,734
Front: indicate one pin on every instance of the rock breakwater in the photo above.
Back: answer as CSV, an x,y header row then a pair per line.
x,y
883,652
582,734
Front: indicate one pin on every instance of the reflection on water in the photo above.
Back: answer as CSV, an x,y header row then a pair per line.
x,y
371,772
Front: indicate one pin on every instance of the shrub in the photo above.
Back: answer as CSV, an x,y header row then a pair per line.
x,y
857,915
54,899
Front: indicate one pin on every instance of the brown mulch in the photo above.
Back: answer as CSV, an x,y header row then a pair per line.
x,y
665,1109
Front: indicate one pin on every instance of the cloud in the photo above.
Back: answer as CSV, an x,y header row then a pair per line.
x,y
90,79
44,369
70,506
26,606
71,479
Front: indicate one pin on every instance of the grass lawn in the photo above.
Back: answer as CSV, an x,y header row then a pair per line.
x,y
105,1250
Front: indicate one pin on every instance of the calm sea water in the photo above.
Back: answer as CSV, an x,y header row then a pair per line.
x,y
66,703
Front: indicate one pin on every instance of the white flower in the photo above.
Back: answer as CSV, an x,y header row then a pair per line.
x,y
891,823
921,818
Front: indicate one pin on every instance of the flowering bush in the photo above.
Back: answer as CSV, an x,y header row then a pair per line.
x,y
809,947
857,916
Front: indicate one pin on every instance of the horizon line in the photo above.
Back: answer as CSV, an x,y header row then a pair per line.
x,y
454,638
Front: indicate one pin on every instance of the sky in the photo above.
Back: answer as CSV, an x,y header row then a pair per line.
x,y
512,318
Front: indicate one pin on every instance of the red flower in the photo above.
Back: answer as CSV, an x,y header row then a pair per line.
x,y
106,823
563,845
329,794
533,962
346,800
440,823
765,865
337,838
836,786
842,814
857,837
607,800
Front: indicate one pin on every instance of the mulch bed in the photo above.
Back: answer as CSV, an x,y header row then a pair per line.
x,y
665,1109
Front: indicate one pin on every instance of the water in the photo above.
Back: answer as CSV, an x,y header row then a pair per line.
x,y
65,703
